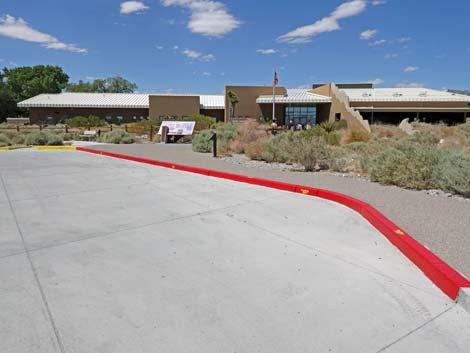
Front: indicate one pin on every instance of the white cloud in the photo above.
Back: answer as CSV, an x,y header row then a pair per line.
x,y
209,18
391,56
206,74
195,55
129,7
18,28
403,39
266,51
378,2
369,34
159,47
411,69
327,24
377,81
378,42
409,85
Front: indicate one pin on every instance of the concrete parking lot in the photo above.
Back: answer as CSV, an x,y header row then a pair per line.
x,y
110,256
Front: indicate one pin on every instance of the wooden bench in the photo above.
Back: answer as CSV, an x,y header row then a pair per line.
x,y
89,135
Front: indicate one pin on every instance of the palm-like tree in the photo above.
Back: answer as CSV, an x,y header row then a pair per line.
x,y
233,100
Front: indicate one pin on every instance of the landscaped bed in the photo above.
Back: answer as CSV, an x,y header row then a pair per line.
x,y
433,157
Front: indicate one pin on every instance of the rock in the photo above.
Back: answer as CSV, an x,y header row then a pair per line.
x,y
406,127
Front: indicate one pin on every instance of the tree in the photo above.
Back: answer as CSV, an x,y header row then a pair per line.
x,y
7,101
110,85
119,84
233,100
26,82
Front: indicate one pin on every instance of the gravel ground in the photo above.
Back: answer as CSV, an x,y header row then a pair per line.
x,y
440,222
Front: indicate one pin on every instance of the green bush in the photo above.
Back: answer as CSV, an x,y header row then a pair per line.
x,y
116,137
464,130
424,138
17,139
85,121
54,140
201,142
4,141
327,126
36,139
341,125
333,138
202,122
453,173
409,166
68,136
309,151
276,149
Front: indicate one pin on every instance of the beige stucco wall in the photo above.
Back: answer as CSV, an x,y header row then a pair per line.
x,y
173,106
339,106
247,108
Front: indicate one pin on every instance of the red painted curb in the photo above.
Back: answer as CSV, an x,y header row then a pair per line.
x,y
445,277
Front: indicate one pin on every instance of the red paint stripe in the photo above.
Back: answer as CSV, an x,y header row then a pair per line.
x,y
443,276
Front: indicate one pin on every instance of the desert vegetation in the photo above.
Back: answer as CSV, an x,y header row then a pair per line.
x,y
433,157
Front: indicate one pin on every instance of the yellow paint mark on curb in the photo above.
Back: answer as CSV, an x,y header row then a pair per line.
x,y
12,148
399,232
55,148
305,191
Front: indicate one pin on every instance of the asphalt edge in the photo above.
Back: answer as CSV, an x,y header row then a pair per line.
x,y
440,273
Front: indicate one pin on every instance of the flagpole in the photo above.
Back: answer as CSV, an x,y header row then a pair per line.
x,y
274,96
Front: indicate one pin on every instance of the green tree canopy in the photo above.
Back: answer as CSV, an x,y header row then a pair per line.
x,y
7,101
29,81
116,84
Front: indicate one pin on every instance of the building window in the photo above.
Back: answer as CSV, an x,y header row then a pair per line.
x,y
337,116
301,114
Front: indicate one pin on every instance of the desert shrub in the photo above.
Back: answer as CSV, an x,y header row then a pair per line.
x,y
424,138
276,149
36,139
255,149
225,135
453,173
409,166
54,140
341,125
68,136
116,137
355,136
385,131
333,138
17,139
328,126
464,130
201,142
309,151
250,132
202,122
4,141
85,121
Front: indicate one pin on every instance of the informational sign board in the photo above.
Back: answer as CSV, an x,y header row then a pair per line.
x,y
178,128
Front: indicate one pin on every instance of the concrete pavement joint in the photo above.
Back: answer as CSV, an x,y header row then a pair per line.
x,y
415,329
377,272
116,233
35,274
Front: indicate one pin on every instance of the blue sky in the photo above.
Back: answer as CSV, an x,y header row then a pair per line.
x,y
185,46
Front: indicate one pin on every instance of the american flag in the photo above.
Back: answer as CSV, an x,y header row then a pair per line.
x,y
276,79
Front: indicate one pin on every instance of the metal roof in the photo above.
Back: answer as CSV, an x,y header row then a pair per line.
x,y
108,100
212,101
403,95
295,95
87,100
